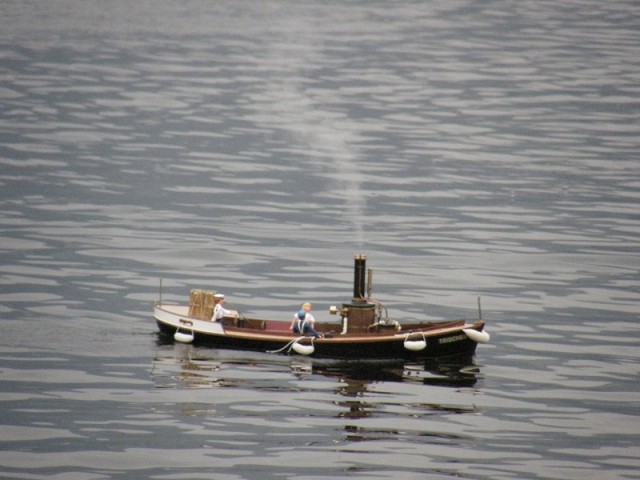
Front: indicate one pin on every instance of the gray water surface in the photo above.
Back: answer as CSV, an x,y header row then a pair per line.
x,y
466,148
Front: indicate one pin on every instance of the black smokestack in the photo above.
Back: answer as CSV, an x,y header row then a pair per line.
x,y
359,278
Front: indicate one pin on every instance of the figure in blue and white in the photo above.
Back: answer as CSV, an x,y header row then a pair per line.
x,y
303,322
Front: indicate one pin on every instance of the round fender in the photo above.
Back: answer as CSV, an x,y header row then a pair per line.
x,y
476,336
415,345
183,337
302,349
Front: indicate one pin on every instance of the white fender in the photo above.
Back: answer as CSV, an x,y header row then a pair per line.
x,y
183,337
415,345
476,336
303,349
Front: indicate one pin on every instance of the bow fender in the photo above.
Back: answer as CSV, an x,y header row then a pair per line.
x,y
476,336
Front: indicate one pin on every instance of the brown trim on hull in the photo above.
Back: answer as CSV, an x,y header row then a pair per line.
x,y
429,330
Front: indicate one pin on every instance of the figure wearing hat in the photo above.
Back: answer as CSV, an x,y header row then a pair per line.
x,y
219,311
303,321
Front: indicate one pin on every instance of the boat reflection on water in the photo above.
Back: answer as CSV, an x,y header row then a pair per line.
x,y
459,371
360,383
361,400
179,365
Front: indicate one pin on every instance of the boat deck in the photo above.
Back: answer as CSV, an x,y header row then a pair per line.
x,y
336,328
